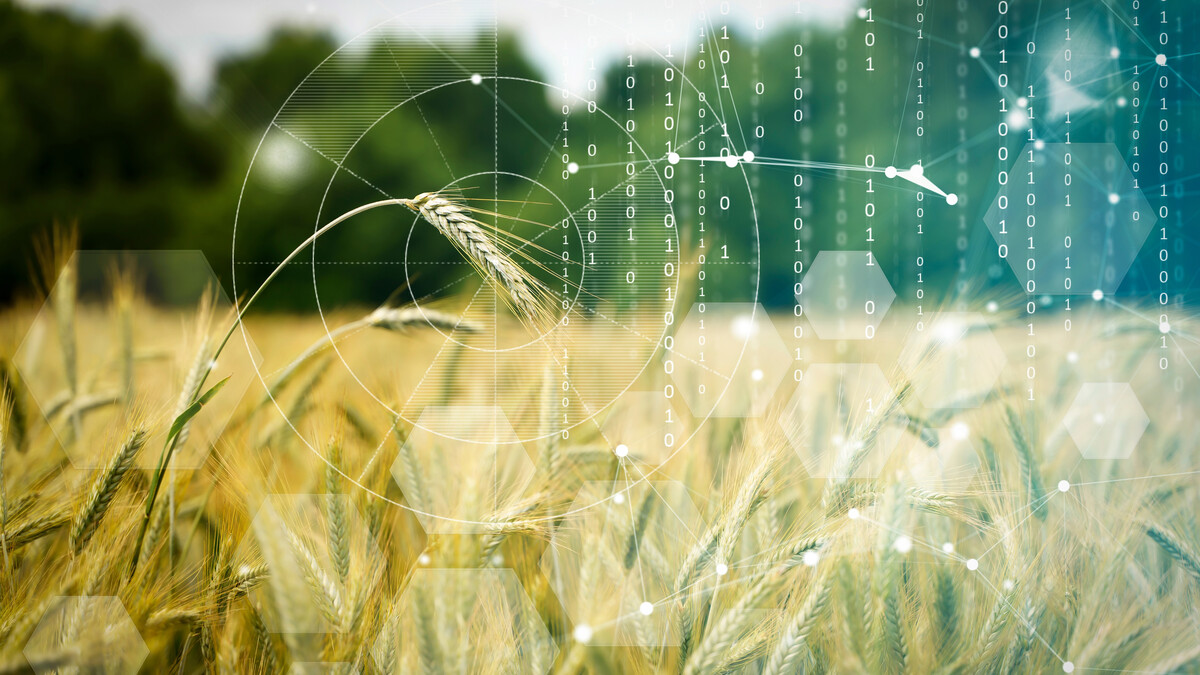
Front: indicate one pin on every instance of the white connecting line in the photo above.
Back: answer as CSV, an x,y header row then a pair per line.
x,y
914,175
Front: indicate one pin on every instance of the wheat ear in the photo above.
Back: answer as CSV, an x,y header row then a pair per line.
x,y
104,489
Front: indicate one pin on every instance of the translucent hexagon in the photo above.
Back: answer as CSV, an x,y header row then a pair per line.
x,y
727,359
464,621
953,361
647,425
1106,420
323,562
845,295
946,462
462,467
1084,212
92,634
844,420
613,559
123,333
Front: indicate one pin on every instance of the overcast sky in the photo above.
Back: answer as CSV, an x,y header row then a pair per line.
x,y
192,35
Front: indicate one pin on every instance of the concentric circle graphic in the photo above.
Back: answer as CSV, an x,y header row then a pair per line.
x,y
580,201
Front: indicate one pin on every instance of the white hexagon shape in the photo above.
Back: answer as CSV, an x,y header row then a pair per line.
x,y
464,621
1106,420
615,555
323,563
946,462
89,634
122,334
647,424
727,359
844,420
953,361
1084,211
461,468
845,295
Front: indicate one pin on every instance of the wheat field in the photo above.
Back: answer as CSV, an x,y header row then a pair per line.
x,y
984,542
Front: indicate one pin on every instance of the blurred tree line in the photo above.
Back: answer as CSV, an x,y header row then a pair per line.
x,y
93,130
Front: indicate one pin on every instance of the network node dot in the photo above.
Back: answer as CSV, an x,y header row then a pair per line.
x,y
972,564
722,569
1164,328
1114,52
810,558
476,78
1072,357
747,156
862,13
1008,585
917,170
1022,101
731,161
975,52
1064,485
1039,144
646,609
903,544
756,374
1068,667
672,157
572,168
1097,295
853,514
951,199
890,172
959,431
947,548
993,306
497,560
423,559
1121,101
1113,198
582,633
1161,59
622,450
619,498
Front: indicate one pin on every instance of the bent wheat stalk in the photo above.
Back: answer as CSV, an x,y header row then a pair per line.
x,y
528,297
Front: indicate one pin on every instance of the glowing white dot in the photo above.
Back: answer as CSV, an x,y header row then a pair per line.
x,y
972,564
1017,120
853,513
423,559
582,633
1064,485
672,157
951,199
1114,52
947,548
1068,667
1008,585
622,450
993,306
646,609
974,52
1161,59
747,156
731,161
1097,295
476,79
902,544
810,558
1022,101
497,560
1098,418
862,12
890,172
1039,144
1113,198
572,167
959,431
722,569
1121,101
1072,357
619,498
1164,328
917,170
756,375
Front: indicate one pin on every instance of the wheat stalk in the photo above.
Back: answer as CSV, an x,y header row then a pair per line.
x,y
104,488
